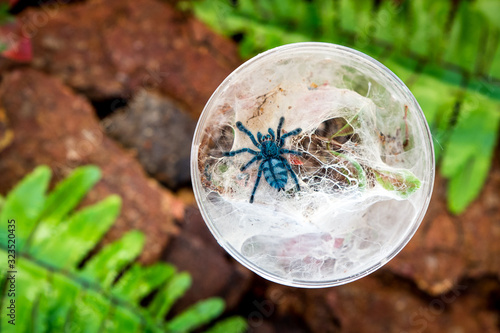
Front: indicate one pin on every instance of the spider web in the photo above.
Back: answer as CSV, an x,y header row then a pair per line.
x,y
359,143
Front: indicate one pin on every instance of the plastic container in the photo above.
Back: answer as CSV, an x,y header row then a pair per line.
x,y
345,159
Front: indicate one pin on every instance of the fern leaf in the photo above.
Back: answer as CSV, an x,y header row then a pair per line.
x,y
89,304
57,303
356,18
32,281
53,294
105,266
77,236
404,68
494,67
69,192
122,320
196,316
139,281
427,27
169,294
464,163
466,36
387,17
63,199
438,103
328,19
25,204
232,324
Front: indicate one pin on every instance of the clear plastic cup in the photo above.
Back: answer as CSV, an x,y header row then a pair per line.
x,y
341,154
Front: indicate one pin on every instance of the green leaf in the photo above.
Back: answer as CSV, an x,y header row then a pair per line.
x,y
463,47
122,320
30,281
169,294
464,164
57,302
328,19
387,18
427,27
66,195
90,310
105,266
402,181
232,324
437,103
361,175
53,294
139,281
24,204
494,68
197,315
356,16
78,235
404,68
489,9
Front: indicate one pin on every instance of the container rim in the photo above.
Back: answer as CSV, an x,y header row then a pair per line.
x,y
311,47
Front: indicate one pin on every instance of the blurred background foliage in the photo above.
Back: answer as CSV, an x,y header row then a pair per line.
x,y
60,286
447,53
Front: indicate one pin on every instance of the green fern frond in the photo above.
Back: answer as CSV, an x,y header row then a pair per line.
x,y
53,294
447,52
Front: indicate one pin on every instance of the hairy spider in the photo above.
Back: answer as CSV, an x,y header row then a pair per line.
x,y
274,166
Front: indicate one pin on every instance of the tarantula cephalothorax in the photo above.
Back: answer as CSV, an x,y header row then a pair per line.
x,y
274,166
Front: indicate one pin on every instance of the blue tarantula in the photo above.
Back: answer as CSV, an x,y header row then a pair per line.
x,y
274,166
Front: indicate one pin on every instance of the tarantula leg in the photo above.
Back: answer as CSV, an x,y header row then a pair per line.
x,y
247,132
259,175
286,135
256,158
280,125
259,137
289,168
271,132
288,151
243,150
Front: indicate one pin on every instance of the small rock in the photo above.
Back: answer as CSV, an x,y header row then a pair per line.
x,y
160,132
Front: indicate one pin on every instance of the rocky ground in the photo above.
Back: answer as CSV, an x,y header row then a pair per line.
x,y
120,84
